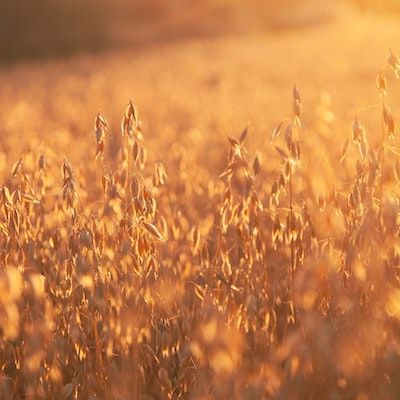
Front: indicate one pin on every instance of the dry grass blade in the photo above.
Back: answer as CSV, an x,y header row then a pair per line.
x,y
150,228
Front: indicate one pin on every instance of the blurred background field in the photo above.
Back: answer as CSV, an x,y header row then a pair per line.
x,y
56,28
192,66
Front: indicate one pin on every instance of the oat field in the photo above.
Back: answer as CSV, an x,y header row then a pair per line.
x,y
204,218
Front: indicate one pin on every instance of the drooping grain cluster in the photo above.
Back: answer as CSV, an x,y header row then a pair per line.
x,y
121,278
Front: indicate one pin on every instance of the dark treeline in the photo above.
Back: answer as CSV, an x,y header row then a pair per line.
x,y
39,28
32,29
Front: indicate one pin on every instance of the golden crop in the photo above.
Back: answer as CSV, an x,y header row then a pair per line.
x,y
175,258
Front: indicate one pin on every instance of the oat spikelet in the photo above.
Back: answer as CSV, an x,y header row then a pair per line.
x,y
394,62
100,127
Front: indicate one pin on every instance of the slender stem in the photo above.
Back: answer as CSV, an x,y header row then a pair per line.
x,y
382,162
128,172
292,249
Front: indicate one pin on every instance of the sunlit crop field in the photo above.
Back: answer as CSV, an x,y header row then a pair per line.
x,y
204,219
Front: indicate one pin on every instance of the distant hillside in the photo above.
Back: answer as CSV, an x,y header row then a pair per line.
x,y
40,28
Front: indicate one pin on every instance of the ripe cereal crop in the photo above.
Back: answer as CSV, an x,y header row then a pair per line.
x,y
184,251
